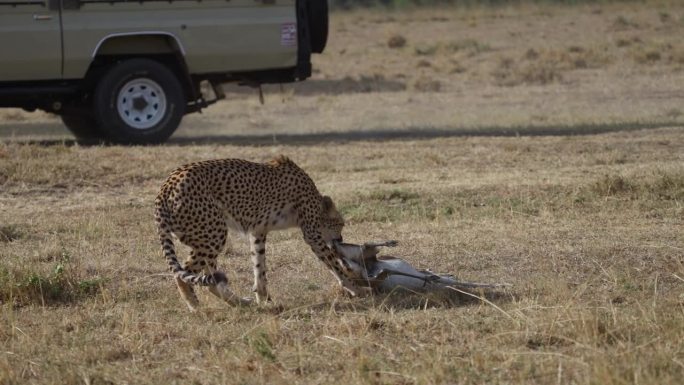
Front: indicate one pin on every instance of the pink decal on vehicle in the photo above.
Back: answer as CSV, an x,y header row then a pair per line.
x,y
288,34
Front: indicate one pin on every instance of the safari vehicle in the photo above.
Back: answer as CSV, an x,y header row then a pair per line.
x,y
127,71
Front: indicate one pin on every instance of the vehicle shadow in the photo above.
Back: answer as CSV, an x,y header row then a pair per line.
x,y
417,133
346,85
385,134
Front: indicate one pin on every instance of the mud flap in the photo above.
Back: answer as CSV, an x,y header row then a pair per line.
x,y
317,14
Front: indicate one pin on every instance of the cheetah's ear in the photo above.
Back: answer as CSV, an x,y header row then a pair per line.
x,y
328,204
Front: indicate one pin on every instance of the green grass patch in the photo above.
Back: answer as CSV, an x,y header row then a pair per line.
x,y
262,345
61,283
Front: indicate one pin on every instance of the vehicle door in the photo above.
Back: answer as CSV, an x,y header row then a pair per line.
x,y
30,38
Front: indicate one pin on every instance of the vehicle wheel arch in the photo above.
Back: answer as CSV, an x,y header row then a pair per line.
x,y
162,47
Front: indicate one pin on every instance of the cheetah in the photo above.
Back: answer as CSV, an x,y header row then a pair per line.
x,y
200,202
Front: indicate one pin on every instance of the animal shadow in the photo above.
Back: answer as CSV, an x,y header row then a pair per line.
x,y
402,299
444,298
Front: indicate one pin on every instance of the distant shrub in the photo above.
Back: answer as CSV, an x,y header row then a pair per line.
x,y
10,233
396,41
662,185
512,73
622,23
611,185
541,67
470,47
468,3
426,84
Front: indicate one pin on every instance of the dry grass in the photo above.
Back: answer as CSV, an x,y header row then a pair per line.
x,y
587,229
570,188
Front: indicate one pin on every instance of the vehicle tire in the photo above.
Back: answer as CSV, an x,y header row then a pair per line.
x,y
139,101
83,126
317,15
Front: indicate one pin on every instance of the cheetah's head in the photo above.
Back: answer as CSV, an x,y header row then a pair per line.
x,y
331,222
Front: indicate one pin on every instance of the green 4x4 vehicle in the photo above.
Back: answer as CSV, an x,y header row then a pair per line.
x,y
127,71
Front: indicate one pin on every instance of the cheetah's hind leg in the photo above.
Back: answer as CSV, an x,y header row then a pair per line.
x,y
188,294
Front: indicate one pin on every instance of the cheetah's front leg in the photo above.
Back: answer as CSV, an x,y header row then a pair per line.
x,y
258,247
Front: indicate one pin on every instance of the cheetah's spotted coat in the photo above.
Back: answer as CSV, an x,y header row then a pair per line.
x,y
199,202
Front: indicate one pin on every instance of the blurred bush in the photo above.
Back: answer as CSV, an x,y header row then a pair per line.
x,y
402,3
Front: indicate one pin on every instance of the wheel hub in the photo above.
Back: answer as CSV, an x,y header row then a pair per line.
x,y
141,103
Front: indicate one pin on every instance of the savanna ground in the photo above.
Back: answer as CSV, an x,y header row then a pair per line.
x,y
536,145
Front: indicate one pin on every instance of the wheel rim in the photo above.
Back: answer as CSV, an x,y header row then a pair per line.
x,y
141,103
